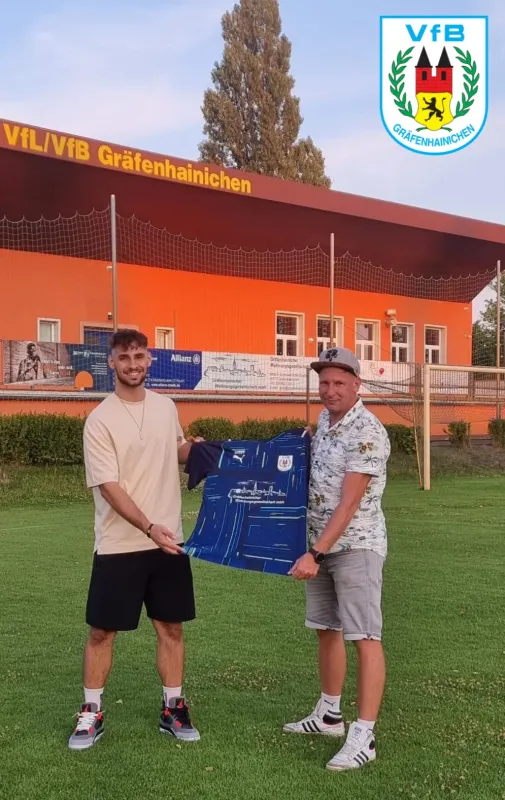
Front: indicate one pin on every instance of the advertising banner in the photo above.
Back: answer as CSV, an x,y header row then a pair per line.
x,y
175,369
27,363
240,372
85,367
386,377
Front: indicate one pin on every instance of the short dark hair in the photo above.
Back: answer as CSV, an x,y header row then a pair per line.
x,y
125,338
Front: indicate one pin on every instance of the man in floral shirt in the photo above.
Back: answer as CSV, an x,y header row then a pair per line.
x,y
348,546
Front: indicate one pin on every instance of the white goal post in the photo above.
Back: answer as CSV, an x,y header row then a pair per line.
x,y
467,390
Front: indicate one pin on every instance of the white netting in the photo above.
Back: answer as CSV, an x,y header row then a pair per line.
x,y
81,236
88,236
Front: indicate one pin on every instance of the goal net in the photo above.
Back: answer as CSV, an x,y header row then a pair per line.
x,y
442,404
461,403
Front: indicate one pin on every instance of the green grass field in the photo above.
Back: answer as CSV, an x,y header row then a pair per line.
x,y
251,666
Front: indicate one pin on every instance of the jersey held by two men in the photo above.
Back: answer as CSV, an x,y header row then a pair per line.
x,y
254,510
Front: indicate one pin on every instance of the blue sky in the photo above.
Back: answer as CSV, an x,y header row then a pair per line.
x,y
134,72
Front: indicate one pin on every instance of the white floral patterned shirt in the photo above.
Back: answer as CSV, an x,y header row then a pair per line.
x,y
358,443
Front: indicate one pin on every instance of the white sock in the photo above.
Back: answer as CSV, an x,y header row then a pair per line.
x,y
171,691
93,696
330,704
365,723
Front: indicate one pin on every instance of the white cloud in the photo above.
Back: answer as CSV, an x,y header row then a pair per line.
x,y
109,75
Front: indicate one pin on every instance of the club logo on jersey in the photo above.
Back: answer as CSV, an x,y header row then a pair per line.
x,y
285,463
434,82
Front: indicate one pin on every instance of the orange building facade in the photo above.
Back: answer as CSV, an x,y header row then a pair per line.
x,y
55,298
258,282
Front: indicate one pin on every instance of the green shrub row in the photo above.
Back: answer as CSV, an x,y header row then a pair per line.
x,y
459,433
222,428
402,439
41,439
56,439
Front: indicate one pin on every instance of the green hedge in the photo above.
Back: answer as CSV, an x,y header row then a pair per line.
x,y
459,433
402,439
41,439
496,430
56,439
221,428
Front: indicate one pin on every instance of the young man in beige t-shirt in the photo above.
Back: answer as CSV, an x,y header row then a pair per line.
x,y
133,445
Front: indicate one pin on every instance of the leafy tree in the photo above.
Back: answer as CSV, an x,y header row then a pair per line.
x,y
483,346
484,331
252,119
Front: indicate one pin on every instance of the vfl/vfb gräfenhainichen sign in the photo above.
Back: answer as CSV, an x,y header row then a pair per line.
x,y
434,81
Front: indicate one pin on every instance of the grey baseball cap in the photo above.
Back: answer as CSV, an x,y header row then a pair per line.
x,y
337,357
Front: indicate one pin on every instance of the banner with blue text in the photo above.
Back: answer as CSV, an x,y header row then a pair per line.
x,y
28,364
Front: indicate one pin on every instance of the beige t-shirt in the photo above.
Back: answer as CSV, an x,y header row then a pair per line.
x,y
144,464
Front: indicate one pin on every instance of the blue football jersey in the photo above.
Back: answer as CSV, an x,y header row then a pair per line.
x,y
254,510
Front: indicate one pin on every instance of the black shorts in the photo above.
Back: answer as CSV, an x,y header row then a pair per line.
x,y
121,583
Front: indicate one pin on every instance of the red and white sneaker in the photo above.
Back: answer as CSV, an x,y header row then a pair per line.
x,y
176,721
358,750
325,723
89,727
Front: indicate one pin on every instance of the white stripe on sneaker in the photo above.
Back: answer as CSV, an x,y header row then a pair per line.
x,y
358,750
316,723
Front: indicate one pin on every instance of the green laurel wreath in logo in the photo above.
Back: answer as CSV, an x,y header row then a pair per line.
x,y
471,83
397,83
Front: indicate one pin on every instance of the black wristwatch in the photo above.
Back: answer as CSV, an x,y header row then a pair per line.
x,y
317,555
148,531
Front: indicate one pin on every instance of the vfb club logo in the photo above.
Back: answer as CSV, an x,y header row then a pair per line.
x,y
285,463
434,81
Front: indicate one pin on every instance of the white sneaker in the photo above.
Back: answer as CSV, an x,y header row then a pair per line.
x,y
358,750
324,723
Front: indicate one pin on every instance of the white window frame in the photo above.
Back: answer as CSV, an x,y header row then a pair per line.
x,y
376,344
339,332
166,329
300,336
105,326
411,344
442,348
51,321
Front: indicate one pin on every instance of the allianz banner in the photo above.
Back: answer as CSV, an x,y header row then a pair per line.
x,y
85,367
28,364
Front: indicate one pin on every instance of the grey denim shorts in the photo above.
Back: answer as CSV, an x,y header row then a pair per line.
x,y
346,595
